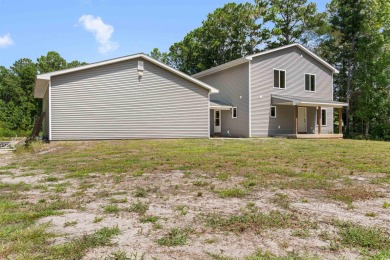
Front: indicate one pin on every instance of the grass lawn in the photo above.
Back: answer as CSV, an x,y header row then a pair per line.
x,y
204,199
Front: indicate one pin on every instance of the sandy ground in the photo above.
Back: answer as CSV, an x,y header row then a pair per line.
x,y
177,202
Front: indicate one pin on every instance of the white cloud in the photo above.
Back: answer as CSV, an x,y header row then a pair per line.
x,y
5,41
101,31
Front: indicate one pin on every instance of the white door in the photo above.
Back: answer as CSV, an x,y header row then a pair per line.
x,y
217,121
302,120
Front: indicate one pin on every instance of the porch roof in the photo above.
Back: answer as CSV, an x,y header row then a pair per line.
x,y
305,101
219,105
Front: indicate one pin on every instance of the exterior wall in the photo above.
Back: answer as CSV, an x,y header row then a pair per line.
x,y
112,102
233,86
45,108
296,63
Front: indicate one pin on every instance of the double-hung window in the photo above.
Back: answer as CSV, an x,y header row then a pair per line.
x,y
310,82
279,79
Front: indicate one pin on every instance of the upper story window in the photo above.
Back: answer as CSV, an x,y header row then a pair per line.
x,y
234,112
310,82
279,79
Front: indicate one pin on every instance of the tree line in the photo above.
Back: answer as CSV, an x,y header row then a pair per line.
x,y
18,107
352,35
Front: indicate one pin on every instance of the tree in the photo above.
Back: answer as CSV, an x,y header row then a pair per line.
x,y
160,56
51,62
228,33
358,45
291,21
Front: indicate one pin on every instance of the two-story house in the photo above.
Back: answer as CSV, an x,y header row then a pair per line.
x,y
287,91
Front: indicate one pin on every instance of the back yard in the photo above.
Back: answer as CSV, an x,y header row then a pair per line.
x,y
196,199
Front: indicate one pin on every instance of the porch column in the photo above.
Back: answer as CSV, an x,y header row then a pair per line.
x,y
340,120
319,120
296,120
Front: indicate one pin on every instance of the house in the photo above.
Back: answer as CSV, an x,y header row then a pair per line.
x,y
128,97
287,91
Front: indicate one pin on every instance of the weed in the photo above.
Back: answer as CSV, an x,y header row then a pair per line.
x,y
223,176
175,237
199,194
350,194
256,221
112,208
281,200
386,205
51,179
138,207
371,214
138,173
302,233
182,209
358,236
118,200
200,183
149,219
139,192
70,223
97,219
229,193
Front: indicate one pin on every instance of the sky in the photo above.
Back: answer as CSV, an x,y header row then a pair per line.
x,y
95,30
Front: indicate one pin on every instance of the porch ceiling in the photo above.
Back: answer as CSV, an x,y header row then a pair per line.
x,y
304,101
219,105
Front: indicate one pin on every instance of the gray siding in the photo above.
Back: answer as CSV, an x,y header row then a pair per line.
x,y
232,83
296,63
45,108
111,102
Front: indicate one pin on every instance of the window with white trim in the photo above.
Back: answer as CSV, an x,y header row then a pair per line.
x,y
323,116
279,79
310,82
272,112
234,112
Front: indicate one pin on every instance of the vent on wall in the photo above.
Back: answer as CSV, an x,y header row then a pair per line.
x,y
140,66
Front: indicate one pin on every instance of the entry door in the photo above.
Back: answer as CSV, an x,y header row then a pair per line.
x,y
302,120
217,121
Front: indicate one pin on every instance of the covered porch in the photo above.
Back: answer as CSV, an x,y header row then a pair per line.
x,y
312,118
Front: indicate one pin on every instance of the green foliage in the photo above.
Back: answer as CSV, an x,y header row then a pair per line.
x,y
18,107
175,237
292,21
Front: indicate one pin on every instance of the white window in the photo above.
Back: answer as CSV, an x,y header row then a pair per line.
x,y
323,116
310,82
272,112
140,65
279,79
234,112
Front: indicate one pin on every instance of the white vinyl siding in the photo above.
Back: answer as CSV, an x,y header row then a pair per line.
x,y
114,102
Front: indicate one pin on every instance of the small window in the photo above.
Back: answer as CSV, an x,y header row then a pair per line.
x,y
310,82
323,116
234,112
273,112
140,65
280,79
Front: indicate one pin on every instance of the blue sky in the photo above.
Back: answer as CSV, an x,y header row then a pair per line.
x,y
93,30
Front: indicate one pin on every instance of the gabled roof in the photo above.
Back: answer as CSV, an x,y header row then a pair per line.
x,y
250,57
42,80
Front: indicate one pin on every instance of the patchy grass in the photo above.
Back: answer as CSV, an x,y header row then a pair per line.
x,y
240,169
138,207
112,208
351,194
77,248
354,235
253,220
232,193
175,237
